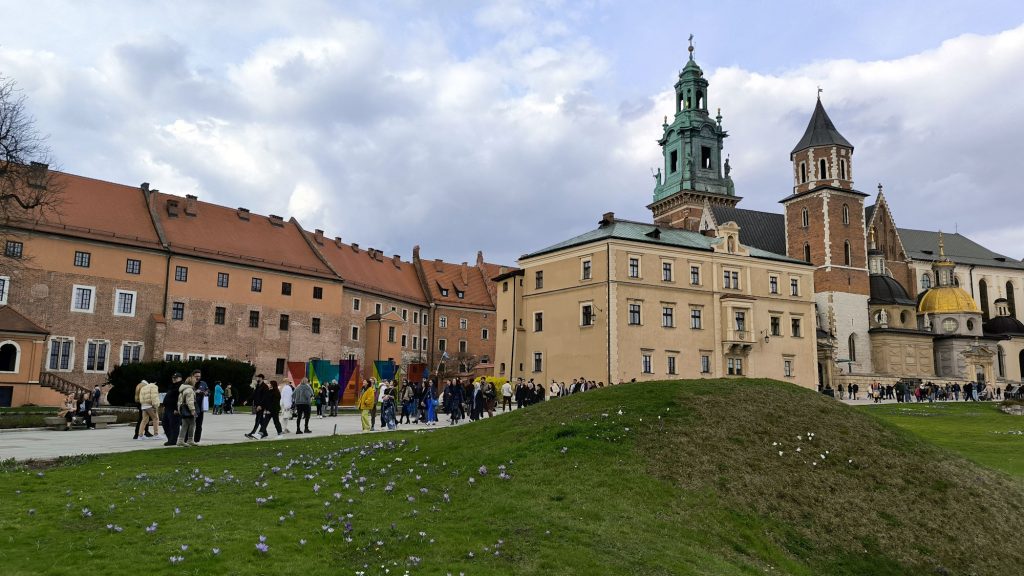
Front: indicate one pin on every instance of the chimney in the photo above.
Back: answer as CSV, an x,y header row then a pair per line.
x,y
172,208
318,236
378,256
502,270
464,272
144,187
337,241
606,219
276,220
190,204
437,264
355,247
416,252
242,213
397,261
372,253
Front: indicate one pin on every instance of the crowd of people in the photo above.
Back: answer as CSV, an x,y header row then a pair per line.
x,y
916,391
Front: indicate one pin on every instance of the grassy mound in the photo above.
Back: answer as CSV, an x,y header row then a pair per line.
x,y
711,477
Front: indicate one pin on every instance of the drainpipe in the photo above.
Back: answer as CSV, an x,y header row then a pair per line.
x,y
608,305
512,360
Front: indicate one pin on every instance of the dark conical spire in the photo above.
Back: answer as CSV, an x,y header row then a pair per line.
x,y
820,131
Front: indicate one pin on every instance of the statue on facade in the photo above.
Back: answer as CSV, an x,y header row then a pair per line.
x,y
657,177
883,318
727,167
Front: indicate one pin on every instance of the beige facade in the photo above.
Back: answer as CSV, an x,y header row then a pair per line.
x,y
648,302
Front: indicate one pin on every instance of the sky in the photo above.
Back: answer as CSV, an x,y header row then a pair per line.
x,y
507,126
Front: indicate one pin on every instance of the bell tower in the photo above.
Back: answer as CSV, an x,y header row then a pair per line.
x,y
825,226
693,170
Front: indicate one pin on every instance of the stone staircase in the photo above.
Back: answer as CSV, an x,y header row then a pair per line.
x,y
54,382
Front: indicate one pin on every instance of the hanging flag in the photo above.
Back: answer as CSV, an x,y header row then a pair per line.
x,y
314,379
296,371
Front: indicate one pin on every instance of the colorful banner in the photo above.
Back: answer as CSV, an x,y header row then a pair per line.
x,y
296,371
384,369
321,372
417,371
348,375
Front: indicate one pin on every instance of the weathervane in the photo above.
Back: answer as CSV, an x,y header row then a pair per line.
x,y
691,47
819,92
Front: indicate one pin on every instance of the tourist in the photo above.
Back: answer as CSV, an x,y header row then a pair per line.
x,y
172,420
218,398
366,403
302,397
229,399
387,410
453,398
839,388
96,395
286,401
257,402
187,410
856,389
138,420
83,409
430,399
149,399
506,396
968,391
271,409
202,391
321,400
333,390
385,385
408,403
68,413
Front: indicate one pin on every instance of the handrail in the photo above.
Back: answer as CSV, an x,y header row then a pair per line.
x,y
51,380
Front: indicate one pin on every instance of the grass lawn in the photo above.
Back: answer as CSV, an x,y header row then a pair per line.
x,y
709,477
976,430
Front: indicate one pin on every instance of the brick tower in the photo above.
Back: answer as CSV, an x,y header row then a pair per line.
x,y
825,226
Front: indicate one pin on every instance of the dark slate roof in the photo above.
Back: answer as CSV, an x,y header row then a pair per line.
x,y
820,131
868,212
652,234
763,230
924,245
886,290
1003,325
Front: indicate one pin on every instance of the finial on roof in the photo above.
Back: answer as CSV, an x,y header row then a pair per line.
x,y
819,93
879,187
942,246
690,49
872,234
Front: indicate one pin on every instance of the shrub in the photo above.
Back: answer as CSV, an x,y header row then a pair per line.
x,y
125,377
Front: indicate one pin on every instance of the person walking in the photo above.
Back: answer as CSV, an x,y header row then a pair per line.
x,y
430,398
172,420
229,399
187,411
490,398
408,403
366,403
149,399
333,390
286,402
257,401
387,410
382,391
271,409
218,398
138,389
202,391
506,396
302,397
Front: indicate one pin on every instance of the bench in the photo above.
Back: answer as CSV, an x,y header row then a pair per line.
x,y
58,422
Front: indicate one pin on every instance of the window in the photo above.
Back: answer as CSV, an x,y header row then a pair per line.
x,y
133,266
695,275
538,321
444,291
773,284
355,332
442,322
705,157
846,253
96,355
4,280
538,361
131,352
463,346
279,366
415,317
318,293
62,350
501,368
852,346
82,298
538,279
842,169
950,325
377,308
734,366
795,325
172,357
404,340
391,333
807,252
459,293
254,318
666,271
124,303
82,259
315,327
504,286
586,272
442,344
776,326
647,369
805,218
705,364
634,314
634,267
667,317
846,213
463,324
504,324
671,365
283,323
731,279
926,281
181,273
673,162
286,288
587,315
741,321
405,314
695,321
415,342
195,357
822,169
218,315
178,311
424,316
355,304
794,286
787,368
485,334
222,279
13,249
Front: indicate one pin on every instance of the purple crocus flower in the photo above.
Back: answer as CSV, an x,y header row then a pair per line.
x,y
262,548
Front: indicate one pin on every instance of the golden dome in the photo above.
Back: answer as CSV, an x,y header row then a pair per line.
x,y
946,300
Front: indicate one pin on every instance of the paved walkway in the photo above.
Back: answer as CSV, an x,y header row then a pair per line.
x,y
43,444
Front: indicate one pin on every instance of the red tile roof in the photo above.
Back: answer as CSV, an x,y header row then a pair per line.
x,y
457,277
371,272
216,232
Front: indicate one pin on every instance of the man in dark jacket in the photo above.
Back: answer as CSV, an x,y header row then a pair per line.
x,y
172,422
303,399
257,402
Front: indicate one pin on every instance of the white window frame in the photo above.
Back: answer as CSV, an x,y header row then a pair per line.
x,y
463,347
415,317
356,303
485,334
639,266
425,319
172,356
787,367
671,316
92,298
216,357
442,321
405,314
415,342
5,290
671,366
117,302
195,357
646,363
639,313
538,314
17,357
128,344
593,316
586,269
671,271
773,283
442,344
700,318
463,324
378,308
794,286
106,356
71,354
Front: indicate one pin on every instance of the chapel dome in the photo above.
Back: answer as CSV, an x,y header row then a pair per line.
x,y
886,290
1003,325
946,300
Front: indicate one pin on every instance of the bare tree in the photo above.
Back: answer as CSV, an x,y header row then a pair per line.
x,y
28,190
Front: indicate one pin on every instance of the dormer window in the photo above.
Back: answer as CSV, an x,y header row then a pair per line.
x,y
444,291
460,294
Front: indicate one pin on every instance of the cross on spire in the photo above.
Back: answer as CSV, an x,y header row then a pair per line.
x,y
690,49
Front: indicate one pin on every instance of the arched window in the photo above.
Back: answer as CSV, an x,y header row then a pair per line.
x,y
689,101
700,100
803,172
926,281
983,296
805,218
846,253
853,347
956,281
822,169
1002,362
807,252
9,356
1010,302
842,169
846,213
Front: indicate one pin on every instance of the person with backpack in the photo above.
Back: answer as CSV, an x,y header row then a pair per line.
x,y
186,410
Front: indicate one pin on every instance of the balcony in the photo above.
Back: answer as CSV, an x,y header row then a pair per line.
x,y
738,341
